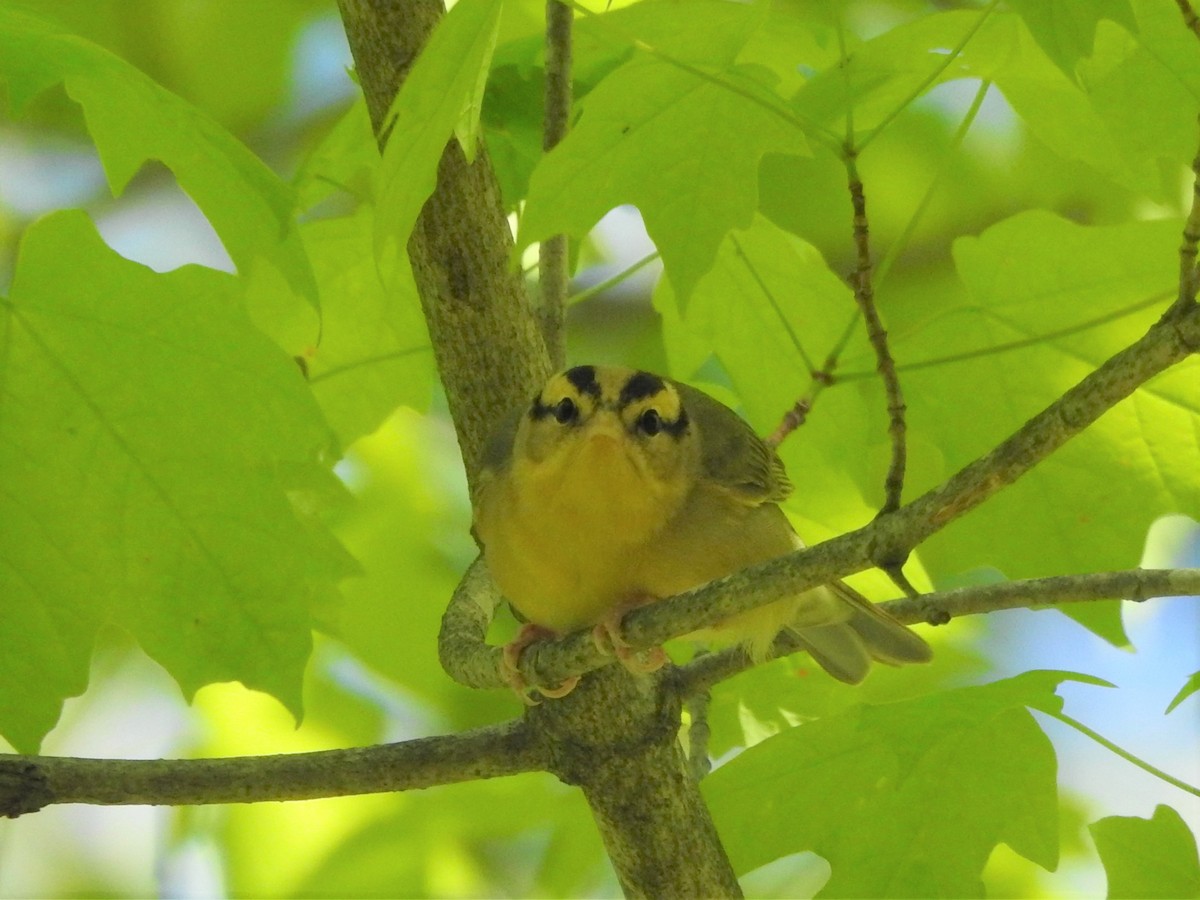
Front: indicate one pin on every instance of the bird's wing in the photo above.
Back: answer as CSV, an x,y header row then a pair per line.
x,y
733,457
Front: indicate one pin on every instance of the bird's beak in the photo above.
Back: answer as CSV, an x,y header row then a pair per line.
x,y
606,433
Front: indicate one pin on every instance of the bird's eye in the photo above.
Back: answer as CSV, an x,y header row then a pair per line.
x,y
565,411
650,422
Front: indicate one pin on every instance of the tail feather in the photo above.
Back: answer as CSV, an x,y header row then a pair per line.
x,y
837,649
844,642
886,639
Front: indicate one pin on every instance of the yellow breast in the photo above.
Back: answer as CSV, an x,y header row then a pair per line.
x,y
560,539
599,465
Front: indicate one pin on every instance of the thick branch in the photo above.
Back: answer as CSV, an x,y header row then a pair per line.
x,y
617,738
28,783
485,335
549,662
470,661
491,356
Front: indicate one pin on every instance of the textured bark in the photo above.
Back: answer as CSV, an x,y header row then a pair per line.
x,y
486,335
615,737
27,783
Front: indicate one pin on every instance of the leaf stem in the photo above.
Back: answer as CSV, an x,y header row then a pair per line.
x,y
931,78
368,361
1121,752
603,286
771,299
1020,344
885,264
774,105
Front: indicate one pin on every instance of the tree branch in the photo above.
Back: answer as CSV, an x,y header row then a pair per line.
x,y
1189,279
1170,340
617,738
28,783
610,737
1167,342
1135,585
486,337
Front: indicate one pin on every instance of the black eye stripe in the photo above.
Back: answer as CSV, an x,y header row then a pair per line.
x,y
676,427
584,379
642,385
639,386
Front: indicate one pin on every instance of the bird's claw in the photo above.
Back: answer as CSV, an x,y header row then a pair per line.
x,y
510,671
609,640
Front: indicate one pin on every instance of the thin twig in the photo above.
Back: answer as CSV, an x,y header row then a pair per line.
x,y
892,537
896,573
1188,278
553,254
939,608
820,378
798,414
1189,16
864,295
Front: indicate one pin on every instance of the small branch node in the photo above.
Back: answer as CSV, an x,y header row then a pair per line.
x,y
23,789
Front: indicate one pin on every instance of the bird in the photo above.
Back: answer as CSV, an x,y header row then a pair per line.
x,y
616,487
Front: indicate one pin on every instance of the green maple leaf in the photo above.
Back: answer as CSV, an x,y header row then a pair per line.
x,y
132,119
161,457
1148,858
681,145
905,797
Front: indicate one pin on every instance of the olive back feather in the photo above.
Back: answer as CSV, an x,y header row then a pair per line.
x,y
732,455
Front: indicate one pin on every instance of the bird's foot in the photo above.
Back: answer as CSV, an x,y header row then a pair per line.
x,y
609,640
510,671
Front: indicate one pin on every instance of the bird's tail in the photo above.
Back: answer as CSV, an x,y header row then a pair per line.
x,y
865,633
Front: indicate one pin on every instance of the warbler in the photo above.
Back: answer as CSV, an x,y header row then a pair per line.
x,y
617,487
